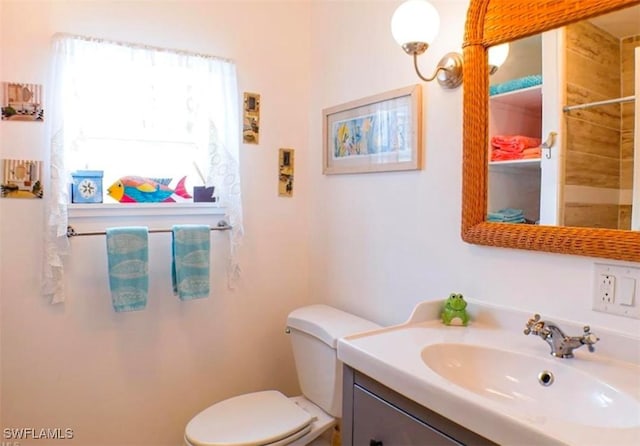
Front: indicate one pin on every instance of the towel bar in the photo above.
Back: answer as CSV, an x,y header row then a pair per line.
x,y
221,226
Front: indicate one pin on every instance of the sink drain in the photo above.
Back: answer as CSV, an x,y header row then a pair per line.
x,y
545,378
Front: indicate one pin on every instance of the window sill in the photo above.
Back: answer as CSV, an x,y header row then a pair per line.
x,y
110,210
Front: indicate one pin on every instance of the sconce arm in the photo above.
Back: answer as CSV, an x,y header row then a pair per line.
x,y
426,79
450,65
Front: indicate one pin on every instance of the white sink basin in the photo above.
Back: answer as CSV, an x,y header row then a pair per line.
x,y
485,377
514,380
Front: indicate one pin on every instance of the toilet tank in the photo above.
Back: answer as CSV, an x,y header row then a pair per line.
x,y
315,331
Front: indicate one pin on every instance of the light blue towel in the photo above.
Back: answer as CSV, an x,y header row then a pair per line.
x,y
190,263
128,258
507,215
516,84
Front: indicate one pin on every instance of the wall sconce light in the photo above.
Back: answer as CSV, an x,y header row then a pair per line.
x,y
497,55
414,25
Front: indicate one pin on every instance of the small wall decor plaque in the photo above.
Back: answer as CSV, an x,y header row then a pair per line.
x,y
251,118
21,179
22,102
285,172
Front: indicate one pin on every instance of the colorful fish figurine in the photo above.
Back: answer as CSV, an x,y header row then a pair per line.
x,y
133,189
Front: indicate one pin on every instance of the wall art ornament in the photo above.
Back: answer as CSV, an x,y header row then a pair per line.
x,y
22,102
251,118
285,172
21,179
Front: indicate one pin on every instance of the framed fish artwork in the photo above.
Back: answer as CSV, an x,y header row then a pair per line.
x,y
378,133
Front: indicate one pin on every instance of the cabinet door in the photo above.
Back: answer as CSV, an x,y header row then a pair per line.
x,y
378,423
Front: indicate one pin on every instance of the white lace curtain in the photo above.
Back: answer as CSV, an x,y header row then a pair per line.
x,y
104,90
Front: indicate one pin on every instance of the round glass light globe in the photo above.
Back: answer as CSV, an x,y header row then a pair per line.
x,y
415,21
498,54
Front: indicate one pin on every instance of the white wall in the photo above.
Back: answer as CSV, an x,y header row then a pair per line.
x,y
137,378
384,241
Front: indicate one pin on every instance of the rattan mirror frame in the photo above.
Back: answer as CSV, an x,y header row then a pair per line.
x,y
490,22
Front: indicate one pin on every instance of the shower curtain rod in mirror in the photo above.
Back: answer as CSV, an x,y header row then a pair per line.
x,y
567,108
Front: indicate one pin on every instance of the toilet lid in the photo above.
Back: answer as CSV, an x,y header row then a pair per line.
x,y
253,419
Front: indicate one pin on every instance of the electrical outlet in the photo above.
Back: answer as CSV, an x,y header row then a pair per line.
x,y
615,288
607,288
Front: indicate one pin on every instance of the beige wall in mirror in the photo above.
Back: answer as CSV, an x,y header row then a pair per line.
x,y
557,81
522,188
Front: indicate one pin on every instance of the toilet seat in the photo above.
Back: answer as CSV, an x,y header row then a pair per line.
x,y
253,419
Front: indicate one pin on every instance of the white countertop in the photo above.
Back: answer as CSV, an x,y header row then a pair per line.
x,y
393,356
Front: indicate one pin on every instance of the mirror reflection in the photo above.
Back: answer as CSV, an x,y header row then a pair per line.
x,y
562,117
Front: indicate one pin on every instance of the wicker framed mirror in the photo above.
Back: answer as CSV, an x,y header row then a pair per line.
x,y
491,22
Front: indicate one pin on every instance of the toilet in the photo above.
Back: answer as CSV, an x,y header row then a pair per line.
x,y
269,417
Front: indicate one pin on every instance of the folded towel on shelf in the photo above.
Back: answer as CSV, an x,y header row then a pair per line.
x,y
507,147
531,153
514,143
516,84
507,215
190,263
128,260
503,155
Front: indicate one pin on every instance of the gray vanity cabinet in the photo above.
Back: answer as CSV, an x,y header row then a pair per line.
x,y
374,415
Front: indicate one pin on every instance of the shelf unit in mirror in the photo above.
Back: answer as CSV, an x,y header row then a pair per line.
x,y
490,23
515,179
524,101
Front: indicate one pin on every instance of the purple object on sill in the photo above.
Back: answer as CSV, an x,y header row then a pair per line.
x,y
203,194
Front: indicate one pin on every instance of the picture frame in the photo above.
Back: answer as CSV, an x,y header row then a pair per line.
x,y
378,133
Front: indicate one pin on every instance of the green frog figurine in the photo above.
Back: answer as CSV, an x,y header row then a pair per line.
x,y
454,311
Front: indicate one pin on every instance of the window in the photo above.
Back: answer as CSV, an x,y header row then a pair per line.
x,y
137,110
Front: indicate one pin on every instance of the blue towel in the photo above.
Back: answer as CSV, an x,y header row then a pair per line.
x,y
190,263
507,215
128,258
516,84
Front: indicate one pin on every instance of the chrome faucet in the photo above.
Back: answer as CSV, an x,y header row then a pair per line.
x,y
562,346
